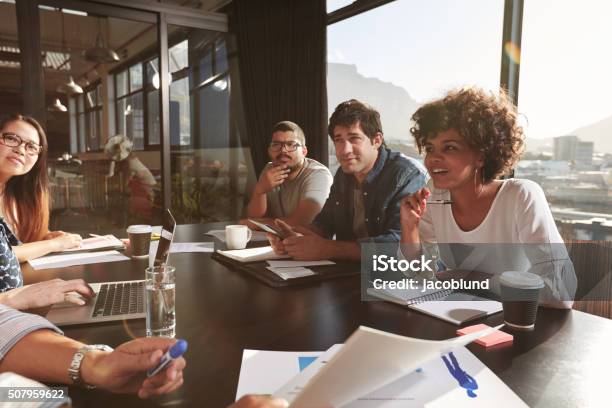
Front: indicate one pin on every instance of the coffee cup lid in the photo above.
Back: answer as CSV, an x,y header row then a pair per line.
x,y
139,229
521,280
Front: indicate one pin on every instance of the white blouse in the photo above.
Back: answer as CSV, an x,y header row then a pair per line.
x,y
517,234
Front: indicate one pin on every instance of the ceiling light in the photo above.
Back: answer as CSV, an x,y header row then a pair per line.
x,y
70,87
100,53
58,106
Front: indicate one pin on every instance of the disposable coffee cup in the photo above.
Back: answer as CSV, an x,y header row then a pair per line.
x,y
140,240
237,236
520,293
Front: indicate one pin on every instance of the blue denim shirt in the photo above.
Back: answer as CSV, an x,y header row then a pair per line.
x,y
10,272
393,177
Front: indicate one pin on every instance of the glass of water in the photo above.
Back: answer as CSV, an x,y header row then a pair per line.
x,y
160,295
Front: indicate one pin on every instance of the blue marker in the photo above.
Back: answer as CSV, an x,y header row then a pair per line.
x,y
173,353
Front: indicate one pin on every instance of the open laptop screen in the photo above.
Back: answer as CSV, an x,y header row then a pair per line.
x,y
167,234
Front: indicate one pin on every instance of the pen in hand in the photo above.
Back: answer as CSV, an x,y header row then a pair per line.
x,y
177,350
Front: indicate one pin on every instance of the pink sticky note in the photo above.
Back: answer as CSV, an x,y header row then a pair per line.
x,y
493,339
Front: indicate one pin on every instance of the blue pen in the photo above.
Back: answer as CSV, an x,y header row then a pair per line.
x,y
173,353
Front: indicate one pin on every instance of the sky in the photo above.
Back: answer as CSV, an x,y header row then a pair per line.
x,y
428,47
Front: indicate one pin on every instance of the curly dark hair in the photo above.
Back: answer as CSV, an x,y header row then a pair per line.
x,y
487,122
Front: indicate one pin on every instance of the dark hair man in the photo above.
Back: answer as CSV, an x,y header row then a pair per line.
x,y
291,187
364,201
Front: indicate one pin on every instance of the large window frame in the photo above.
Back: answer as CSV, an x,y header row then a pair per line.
x,y
204,83
84,107
142,90
512,32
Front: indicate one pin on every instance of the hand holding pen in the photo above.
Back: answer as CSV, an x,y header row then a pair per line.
x,y
413,207
174,352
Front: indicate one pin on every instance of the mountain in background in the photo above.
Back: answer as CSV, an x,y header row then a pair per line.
x,y
396,106
393,102
599,132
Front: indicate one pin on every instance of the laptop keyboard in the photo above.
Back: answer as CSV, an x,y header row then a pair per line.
x,y
120,298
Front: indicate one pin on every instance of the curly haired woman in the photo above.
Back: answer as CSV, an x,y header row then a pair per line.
x,y
471,137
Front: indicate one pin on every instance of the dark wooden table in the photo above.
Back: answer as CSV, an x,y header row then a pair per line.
x,y
220,312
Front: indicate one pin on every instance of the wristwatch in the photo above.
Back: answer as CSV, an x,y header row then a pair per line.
x,y
74,371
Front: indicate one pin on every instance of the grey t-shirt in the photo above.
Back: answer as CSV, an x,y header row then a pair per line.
x,y
312,183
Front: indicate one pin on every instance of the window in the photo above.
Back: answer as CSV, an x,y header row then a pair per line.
x,y
400,55
86,119
129,117
564,93
209,165
208,81
137,103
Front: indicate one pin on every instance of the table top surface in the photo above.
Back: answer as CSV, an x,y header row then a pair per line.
x,y
221,312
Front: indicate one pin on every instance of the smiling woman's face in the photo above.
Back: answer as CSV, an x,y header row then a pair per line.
x,y
15,161
450,161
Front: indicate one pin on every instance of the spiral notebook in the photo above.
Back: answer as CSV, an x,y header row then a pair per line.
x,y
451,306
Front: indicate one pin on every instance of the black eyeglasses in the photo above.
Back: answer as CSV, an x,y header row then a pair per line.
x,y
289,146
14,140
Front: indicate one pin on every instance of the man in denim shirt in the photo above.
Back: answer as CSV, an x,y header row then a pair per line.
x,y
364,201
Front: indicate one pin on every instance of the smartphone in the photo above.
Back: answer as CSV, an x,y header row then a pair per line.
x,y
272,229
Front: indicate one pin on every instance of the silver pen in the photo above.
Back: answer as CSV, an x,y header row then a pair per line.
x,y
439,202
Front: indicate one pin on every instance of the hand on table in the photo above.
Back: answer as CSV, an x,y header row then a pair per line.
x,y
63,240
47,293
301,243
275,242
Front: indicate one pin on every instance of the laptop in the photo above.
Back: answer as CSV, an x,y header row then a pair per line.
x,y
120,300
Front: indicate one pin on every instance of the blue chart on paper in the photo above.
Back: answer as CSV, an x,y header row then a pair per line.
x,y
463,378
304,362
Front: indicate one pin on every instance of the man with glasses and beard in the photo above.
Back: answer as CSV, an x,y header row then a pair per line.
x,y
291,187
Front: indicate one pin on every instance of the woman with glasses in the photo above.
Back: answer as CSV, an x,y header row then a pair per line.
x,y
24,206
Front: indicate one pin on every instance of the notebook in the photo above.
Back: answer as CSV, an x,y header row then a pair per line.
x,y
451,306
97,243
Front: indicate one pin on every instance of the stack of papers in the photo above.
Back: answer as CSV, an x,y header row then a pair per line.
x,y
291,273
252,254
294,269
378,369
62,261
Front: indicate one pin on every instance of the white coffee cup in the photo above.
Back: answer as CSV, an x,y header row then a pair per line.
x,y
237,236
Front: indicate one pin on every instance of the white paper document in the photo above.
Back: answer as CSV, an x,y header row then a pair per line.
x,y
278,367
83,258
252,254
453,379
369,360
184,247
291,273
291,264
258,236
